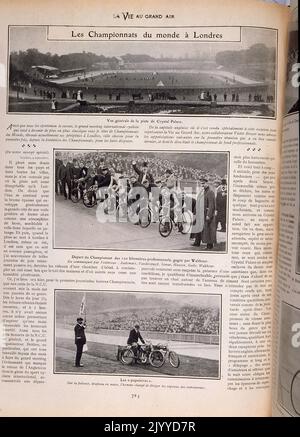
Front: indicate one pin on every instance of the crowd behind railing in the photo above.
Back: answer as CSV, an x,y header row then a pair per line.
x,y
118,163
184,320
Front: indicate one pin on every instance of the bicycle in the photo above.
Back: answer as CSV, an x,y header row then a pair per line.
x,y
147,215
169,355
295,392
145,354
77,192
89,196
168,223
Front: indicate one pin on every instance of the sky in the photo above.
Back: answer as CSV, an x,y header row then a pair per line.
x,y
23,38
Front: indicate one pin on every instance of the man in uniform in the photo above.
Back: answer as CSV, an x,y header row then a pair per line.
x,y
221,204
208,234
80,340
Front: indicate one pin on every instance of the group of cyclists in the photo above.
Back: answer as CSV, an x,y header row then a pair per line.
x,y
137,196
103,184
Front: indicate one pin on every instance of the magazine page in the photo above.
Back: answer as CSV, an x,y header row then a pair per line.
x,y
287,366
140,156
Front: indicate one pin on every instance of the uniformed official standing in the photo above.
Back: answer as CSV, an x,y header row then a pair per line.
x,y
80,340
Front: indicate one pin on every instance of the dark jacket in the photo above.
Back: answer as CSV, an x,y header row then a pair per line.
x,y
83,172
62,172
90,178
69,169
103,180
221,201
79,334
134,336
209,234
75,172
58,163
141,175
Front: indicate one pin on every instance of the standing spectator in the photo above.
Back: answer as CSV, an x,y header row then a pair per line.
x,y
69,177
209,235
80,340
62,176
58,163
221,205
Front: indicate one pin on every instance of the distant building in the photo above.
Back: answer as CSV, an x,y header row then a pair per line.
x,y
44,72
48,72
72,72
121,63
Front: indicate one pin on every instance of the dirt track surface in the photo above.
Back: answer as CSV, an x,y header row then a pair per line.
x,y
77,226
102,359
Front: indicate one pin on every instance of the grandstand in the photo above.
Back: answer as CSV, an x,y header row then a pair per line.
x,y
233,81
156,315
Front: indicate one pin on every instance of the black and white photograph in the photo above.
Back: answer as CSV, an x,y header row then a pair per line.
x,y
289,360
137,333
119,77
140,200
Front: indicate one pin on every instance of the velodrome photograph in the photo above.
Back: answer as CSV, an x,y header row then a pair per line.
x,y
134,200
137,333
183,78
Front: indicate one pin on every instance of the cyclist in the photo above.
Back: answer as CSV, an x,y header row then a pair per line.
x,y
75,174
82,174
134,337
171,205
137,198
143,173
89,180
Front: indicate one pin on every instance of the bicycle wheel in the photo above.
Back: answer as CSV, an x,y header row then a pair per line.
x,y
165,226
295,392
144,218
186,223
127,357
156,358
88,200
174,359
75,195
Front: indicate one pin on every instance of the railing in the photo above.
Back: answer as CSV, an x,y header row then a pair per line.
x,y
162,336
167,336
